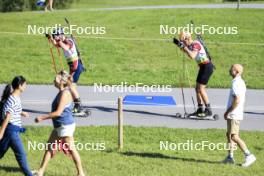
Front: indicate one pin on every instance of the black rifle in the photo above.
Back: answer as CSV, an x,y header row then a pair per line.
x,y
78,51
200,39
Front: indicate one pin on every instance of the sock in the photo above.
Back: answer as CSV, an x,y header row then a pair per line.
x,y
208,105
247,152
231,155
200,106
77,100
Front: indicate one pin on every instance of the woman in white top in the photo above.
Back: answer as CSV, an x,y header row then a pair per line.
x,y
10,120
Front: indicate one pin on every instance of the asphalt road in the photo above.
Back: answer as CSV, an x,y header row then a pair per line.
x,y
37,99
185,6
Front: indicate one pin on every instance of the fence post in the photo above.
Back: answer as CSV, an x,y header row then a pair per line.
x,y
120,123
238,4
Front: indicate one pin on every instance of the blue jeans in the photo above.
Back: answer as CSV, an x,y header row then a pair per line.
x,y
12,139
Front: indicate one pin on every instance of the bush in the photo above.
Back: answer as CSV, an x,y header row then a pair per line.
x,y
20,5
11,5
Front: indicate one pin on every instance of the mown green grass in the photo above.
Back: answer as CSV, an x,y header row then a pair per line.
x,y
150,62
141,154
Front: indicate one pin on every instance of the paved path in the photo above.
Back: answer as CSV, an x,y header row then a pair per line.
x,y
186,6
37,100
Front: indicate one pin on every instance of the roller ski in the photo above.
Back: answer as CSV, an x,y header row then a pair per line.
x,y
79,110
199,115
83,113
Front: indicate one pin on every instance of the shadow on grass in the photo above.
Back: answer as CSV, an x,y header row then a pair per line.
x,y
107,109
162,156
10,169
254,113
35,111
259,148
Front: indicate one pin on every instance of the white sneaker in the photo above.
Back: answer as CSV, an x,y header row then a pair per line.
x,y
34,173
250,159
228,160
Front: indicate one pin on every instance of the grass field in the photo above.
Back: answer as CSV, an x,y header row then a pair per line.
x,y
112,61
142,154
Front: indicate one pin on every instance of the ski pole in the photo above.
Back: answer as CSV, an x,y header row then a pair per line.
x,y
52,55
188,77
61,62
181,80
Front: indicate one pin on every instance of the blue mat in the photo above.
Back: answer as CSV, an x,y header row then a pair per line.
x,y
149,100
41,3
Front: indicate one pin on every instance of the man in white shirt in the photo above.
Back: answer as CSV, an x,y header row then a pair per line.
x,y
234,114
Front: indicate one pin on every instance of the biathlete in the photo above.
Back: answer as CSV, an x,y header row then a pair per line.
x,y
74,62
195,50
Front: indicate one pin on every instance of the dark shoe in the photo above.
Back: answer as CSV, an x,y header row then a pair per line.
x,y
198,113
82,113
201,115
77,106
76,110
208,112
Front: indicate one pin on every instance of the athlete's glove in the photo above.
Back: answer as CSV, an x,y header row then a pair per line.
x,y
178,43
48,36
58,40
